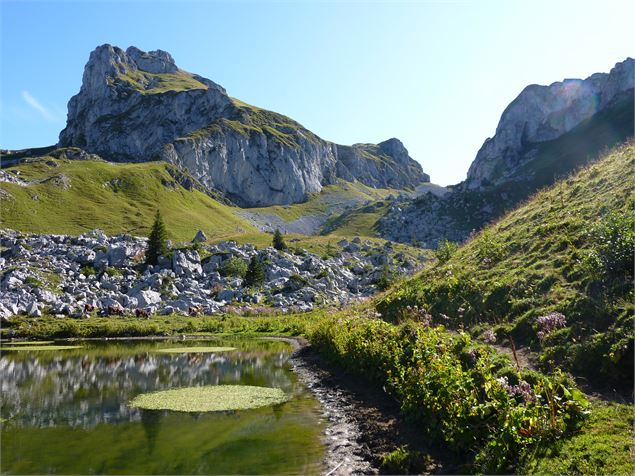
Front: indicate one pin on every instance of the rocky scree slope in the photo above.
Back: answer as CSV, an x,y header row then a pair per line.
x,y
66,276
139,106
545,134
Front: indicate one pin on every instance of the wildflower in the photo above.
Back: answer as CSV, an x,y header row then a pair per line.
x,y
489,337
552,321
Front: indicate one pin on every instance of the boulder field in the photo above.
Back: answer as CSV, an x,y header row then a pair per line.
x,y
76,275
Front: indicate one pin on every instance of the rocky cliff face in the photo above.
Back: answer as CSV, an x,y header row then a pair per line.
x,y
384,165
544,134
544,113
138,106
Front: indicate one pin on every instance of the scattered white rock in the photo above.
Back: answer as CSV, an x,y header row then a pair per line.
x,y
74,276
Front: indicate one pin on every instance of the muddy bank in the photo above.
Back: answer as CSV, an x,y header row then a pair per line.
x,y
364,423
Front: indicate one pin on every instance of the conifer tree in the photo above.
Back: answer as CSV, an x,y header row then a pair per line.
x,y
255,273
278,241
157,241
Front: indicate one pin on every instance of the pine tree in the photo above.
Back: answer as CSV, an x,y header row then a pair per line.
x,y
255,273
278,241
157,241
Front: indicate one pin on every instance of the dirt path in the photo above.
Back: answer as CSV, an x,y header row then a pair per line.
x,y
364,423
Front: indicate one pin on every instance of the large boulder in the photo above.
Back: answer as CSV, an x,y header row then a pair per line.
x,y
146,298
186,263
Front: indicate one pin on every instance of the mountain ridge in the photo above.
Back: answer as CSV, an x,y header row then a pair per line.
x,y
138,106
543,113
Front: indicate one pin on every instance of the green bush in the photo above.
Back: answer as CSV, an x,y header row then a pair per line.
x,y
610,259
386,278
450,386
234,266
88,270
255,275
33,282
278,241
445,250
404,461
110,271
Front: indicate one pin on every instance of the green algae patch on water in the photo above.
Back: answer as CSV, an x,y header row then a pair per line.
x,y
27,342
183,350
212,398
28,348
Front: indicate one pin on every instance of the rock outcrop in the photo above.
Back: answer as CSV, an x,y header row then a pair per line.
x,y
138,106
544,113
544,134
383,165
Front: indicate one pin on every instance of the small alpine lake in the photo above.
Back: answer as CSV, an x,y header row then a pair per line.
x,y
68,411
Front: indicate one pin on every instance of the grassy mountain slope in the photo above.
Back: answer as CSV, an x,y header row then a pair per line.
x,y
359,221
332,198
75,196
157,83
569,249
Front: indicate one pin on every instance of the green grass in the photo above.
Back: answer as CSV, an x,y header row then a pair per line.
x,y
557,252
157,83
50,327
606,445
331,198
361,221
30,342
114,197
214,398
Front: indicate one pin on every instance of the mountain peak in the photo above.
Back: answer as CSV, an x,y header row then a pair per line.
x,y
157,61
543,113
139,106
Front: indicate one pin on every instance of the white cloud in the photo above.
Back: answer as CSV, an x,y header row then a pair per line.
x,y
35,104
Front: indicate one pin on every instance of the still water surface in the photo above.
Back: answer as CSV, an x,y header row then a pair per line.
x,y
67,412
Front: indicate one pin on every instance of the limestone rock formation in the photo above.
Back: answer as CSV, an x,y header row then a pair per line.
x,y
139,106
544,113
384,165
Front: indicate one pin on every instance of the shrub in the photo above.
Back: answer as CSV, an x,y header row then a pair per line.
x,y
404,461
489,249
157,243
610,259
445,250
234,266
33,282
329,251
110,271
278,241
385,279
88,270
255,275
449,386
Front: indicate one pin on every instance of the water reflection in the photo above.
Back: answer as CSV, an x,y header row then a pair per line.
x,y
67,413
88,389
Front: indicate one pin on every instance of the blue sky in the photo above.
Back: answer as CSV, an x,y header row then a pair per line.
x,y
435,74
